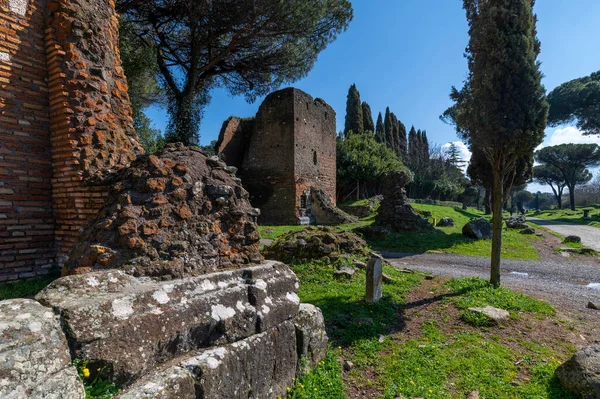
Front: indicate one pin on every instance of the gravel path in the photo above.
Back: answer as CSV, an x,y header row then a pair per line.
x,y
568,285
590,235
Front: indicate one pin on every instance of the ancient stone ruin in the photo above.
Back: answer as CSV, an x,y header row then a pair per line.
x,y
64,116
174,214
286,156
165,292
395,211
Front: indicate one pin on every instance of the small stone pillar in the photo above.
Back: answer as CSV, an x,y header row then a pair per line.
x,y
374,278
586,214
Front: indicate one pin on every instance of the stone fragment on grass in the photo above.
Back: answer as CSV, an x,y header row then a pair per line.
x,y
495,315
345,272
581,373
528,231
516,222
592,305
311,337
479,229
446,222
572,239
34,357
374,289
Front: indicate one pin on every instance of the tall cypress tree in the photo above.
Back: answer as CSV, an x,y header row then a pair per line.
x,y
388,129
413,147
403,141
354,114
395,134
379,129
368,124
425,149
504,84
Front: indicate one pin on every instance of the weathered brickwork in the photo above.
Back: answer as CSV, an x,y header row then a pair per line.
x,y
290,150
26,220
91,123
65,119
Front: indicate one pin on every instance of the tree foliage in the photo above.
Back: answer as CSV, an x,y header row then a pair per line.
x,y
501,111
246,47
573,161
368,124
379,130
577,101
362,162
354,113
551,176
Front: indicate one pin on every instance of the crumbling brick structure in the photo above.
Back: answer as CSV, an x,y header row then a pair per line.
x,y
288,150
65,116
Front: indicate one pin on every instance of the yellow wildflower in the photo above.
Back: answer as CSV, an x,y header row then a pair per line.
x,y
86,372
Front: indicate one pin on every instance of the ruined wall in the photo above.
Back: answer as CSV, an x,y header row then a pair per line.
x,y
26,221
314,145
268,168
91,117
64,116
234,140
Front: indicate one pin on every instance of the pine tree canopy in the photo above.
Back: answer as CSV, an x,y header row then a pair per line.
x,y
577,100
247,47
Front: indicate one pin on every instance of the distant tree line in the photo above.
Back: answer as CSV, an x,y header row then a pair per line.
x,y
436,173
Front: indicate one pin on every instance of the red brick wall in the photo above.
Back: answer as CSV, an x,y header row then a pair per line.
x,y
26,221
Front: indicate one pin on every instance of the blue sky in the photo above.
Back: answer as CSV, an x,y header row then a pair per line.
x,y
406,54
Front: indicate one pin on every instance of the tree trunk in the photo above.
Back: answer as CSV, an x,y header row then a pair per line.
x,y
357,190
486,202
572,197
184,121
497,200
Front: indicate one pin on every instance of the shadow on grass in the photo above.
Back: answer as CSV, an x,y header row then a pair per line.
x,y
351,321
418,242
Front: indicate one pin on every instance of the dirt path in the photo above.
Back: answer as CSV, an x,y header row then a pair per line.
x,y
567,284
590,236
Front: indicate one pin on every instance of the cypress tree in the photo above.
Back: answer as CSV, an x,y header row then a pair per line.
x,y
425,146
368,124
395,137
403,141
388,129
413,147
504,84
354,115
379,130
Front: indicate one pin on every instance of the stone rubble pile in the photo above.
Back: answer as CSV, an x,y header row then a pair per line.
x,y
175,214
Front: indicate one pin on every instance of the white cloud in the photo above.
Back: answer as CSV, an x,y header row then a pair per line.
x,y
464,152
568,135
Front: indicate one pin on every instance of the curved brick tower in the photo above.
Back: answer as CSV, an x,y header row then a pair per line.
x,y
64,116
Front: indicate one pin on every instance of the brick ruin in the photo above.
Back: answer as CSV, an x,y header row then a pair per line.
x,y
286,155
65,116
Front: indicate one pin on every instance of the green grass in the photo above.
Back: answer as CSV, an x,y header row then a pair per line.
x,y
273,232
569,216
95,386
433,364
444,366
451,240
475,292
515,246
24,288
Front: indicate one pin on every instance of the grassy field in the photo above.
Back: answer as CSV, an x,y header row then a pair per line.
x,y
417,342
26,288
442,239
569,216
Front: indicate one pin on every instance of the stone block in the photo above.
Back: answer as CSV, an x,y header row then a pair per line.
x,y
259,367
129,325
311,336
34,357
374,279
